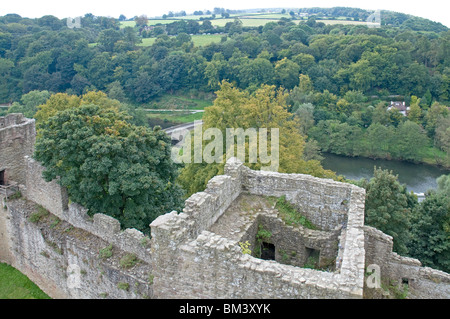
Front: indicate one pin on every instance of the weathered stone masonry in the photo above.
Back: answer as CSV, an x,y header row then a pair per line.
x,y
17,136
196,253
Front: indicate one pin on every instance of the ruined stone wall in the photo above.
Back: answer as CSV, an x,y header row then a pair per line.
x,y
5,242
292,243
54,198
69,241
65,261
204,208
17,136
190,261
50,195
214,267
422,282
324,202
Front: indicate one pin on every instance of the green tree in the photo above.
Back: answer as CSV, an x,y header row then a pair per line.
x,y
265,108
256,72
305,84
143,87
304,60
388,208
54,104
415,112
29,103
411,142
287,73
6,67
141,21
110,166
108,38
380,114
216,71
436,111
362,77
115,91
443,185
379,139
430,233
305,114
442,134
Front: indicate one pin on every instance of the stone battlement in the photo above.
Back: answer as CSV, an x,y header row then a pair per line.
x,y
13,119
17,137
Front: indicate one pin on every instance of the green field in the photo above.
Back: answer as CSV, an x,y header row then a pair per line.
x,y
177,102
176,117
172,102
198,39
15,285
248,19
146,42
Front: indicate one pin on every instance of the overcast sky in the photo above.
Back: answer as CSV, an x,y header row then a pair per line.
x,y
436,10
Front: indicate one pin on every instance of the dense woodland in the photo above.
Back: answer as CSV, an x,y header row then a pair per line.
x,y
327,86
351,71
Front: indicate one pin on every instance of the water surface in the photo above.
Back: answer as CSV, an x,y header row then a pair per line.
x,y
417,177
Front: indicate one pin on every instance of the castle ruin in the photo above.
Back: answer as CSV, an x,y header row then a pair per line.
x,y
197,253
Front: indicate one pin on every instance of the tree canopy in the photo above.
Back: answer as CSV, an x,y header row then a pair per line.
x,y
388,207
265,108
109,165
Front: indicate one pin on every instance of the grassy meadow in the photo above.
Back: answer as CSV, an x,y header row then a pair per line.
x,y
15,285
248,19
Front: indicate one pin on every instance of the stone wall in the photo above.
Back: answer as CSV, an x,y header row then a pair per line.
x,y
293,244
50,195
422,282
70,240
191,261
65,261
214,267
17,136
54,198
324,202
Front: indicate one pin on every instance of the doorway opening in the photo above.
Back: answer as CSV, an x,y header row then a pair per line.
x,y
2,178
267,251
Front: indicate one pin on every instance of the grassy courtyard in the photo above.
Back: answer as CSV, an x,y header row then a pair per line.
x,y
15,285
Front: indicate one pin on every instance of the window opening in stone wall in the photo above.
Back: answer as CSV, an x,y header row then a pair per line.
x,y
312,258
267,251
2,178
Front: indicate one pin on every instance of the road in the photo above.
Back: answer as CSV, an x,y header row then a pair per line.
x,y
169,110
186,126
175,132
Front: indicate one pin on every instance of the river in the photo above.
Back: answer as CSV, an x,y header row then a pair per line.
x,y
417,177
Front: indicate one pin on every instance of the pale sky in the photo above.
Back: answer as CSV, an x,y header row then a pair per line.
x,y
436,10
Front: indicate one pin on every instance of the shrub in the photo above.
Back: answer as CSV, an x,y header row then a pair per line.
x,y
128,261
106,252
38,215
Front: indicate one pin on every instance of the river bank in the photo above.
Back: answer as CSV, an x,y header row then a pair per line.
x,y
418,177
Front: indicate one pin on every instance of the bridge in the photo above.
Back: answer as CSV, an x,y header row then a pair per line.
x,y
420,196
176,132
